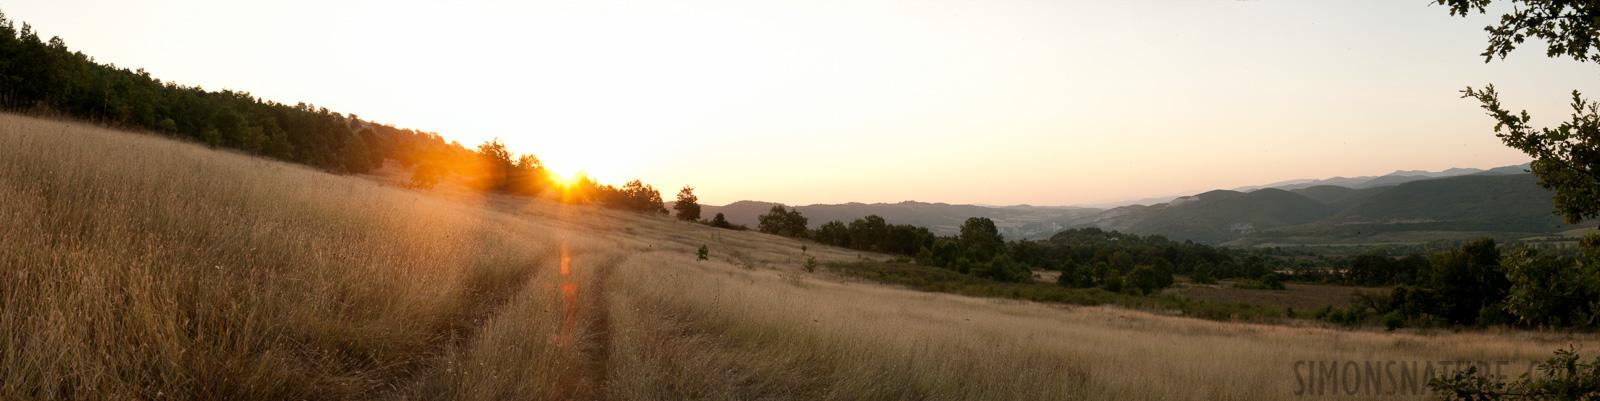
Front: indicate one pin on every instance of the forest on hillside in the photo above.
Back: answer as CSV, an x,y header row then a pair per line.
x,y
45,77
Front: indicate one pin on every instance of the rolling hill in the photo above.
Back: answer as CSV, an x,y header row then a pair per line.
x,y
1394,178
1456,207
1496,202
1221,215
1338,197
145,268
1457,203
1466,198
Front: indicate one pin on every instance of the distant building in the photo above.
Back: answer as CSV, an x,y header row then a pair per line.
x,y
1243,228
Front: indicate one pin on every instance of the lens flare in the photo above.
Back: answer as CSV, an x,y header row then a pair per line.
x,y
569,301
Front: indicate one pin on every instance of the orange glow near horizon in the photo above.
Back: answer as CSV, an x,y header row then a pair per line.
x,y
1010,102
565,180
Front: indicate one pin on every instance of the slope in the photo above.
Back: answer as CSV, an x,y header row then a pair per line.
x,y
1339,197
1219,216
1455,207
142,268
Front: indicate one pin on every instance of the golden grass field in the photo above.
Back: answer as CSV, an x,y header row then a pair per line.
x,y
135,267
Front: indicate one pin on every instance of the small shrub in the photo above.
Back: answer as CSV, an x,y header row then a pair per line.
x,y
811,264
1270,281
1113,284
1323,312
703,253
1393,320
1563,377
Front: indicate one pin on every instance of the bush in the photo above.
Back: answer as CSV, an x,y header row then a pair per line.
x,y
1270,281
1144,279
720,221
1113,284
1563,377
1393,320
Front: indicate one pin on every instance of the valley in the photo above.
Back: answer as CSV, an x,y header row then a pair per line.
x,y
1405,207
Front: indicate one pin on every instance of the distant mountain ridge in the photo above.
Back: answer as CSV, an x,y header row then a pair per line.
x,y
1406,205
1450,207
941,218
1395,178
1464,203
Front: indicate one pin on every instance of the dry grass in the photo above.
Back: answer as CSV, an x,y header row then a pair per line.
x,y
138,268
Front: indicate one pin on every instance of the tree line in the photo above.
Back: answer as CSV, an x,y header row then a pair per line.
x,y
45,77
1463,283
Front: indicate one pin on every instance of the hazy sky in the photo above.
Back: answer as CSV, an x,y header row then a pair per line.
x,y
1045,103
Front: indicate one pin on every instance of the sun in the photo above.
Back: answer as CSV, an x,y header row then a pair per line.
x,y
564,179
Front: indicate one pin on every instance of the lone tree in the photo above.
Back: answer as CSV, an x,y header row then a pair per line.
x,y
981,239
688,205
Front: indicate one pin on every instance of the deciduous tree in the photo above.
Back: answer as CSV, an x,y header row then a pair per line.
x,y
788,223
1567,157
981,239
688,205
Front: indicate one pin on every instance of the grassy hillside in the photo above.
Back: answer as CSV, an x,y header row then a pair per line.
x,y
140,268
1219,216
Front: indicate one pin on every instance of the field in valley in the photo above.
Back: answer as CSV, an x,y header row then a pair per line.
x,y
135,267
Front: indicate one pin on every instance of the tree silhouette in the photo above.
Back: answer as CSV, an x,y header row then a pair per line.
x,y
981,239
869,233
720,221
788,223
639,197
497,164
688,205
527,176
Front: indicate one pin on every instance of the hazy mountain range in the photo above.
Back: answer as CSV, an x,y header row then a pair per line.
x,y
1395,178
1401,206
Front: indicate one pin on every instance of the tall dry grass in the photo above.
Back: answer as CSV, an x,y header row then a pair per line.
x,y
138,268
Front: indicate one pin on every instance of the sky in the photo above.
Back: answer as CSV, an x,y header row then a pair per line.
x,y
804,102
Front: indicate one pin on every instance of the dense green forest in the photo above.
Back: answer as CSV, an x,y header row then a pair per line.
x,y
46,78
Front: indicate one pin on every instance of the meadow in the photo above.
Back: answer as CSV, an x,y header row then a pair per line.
x,y
136,267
